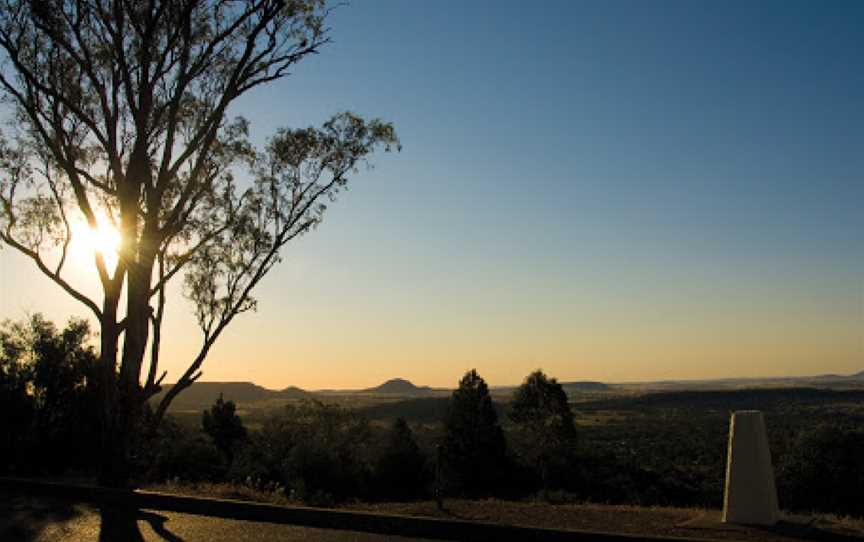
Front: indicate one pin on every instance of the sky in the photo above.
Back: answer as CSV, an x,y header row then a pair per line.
x,y
616,191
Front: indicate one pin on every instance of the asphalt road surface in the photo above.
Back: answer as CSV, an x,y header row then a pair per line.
x,y
34,519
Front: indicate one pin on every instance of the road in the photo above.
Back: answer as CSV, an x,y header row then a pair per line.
x,y
31,519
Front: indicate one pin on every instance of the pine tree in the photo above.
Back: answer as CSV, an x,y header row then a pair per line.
x,y
474,446
545,424
224,426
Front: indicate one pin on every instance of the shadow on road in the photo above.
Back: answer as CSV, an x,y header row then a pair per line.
x,y
25,518
121,524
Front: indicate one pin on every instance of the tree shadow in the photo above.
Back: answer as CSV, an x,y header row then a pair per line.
x,y
121,523
446,511
24,518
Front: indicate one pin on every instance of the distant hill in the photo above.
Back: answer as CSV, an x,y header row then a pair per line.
x,y
832,377
293,392
834,381
399,386
202,395
724,401
586,385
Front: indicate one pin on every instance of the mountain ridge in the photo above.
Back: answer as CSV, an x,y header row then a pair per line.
x,y
202,395
396,386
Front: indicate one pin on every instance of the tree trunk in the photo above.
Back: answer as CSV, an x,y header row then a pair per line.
x,y
113,454
114,462
123,396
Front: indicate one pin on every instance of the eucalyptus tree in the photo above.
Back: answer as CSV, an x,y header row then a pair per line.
x,y
119,111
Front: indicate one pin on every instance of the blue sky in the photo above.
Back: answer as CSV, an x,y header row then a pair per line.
x,y
608,190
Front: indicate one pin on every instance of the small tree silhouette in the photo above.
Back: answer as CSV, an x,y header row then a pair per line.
x,y
224,426
46,394
474,451
16,405
545,423
400,472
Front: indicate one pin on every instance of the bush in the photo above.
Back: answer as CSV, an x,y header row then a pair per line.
x,y
824,471
16,405
320,453
47,396
400,471
181,454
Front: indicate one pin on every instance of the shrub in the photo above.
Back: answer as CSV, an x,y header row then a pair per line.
x,y
47,395
320,453
400,471
824,471
182,454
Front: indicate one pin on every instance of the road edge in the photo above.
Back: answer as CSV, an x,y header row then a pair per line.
x,y
325,518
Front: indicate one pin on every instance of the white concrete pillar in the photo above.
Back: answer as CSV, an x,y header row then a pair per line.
x,y
750,496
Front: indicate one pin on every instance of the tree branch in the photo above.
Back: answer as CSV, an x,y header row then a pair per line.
x,y
33,255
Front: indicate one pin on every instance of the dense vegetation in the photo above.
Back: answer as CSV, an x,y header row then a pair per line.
x,y
48,408
651,449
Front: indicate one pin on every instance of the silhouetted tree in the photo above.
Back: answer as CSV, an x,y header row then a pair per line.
x,y
319,453
400,472
224,426
474,450
118,114
47,383
177,452
544,423
16,404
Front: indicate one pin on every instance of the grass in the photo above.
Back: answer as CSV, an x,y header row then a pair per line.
x,y
270,494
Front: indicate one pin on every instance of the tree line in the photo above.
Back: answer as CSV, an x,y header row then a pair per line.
x,y
323,454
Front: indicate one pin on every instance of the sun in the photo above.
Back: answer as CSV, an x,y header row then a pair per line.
x,y
103,239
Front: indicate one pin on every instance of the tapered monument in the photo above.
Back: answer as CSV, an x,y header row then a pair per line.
x,y
751,495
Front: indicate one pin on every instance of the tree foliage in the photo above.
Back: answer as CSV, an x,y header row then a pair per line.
x,y
474,446
824,470
545,422
119,114
46,394
400,471
224,426
317,452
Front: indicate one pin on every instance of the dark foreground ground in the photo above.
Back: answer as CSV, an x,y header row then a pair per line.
x,y
31,518
42,519
633,520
